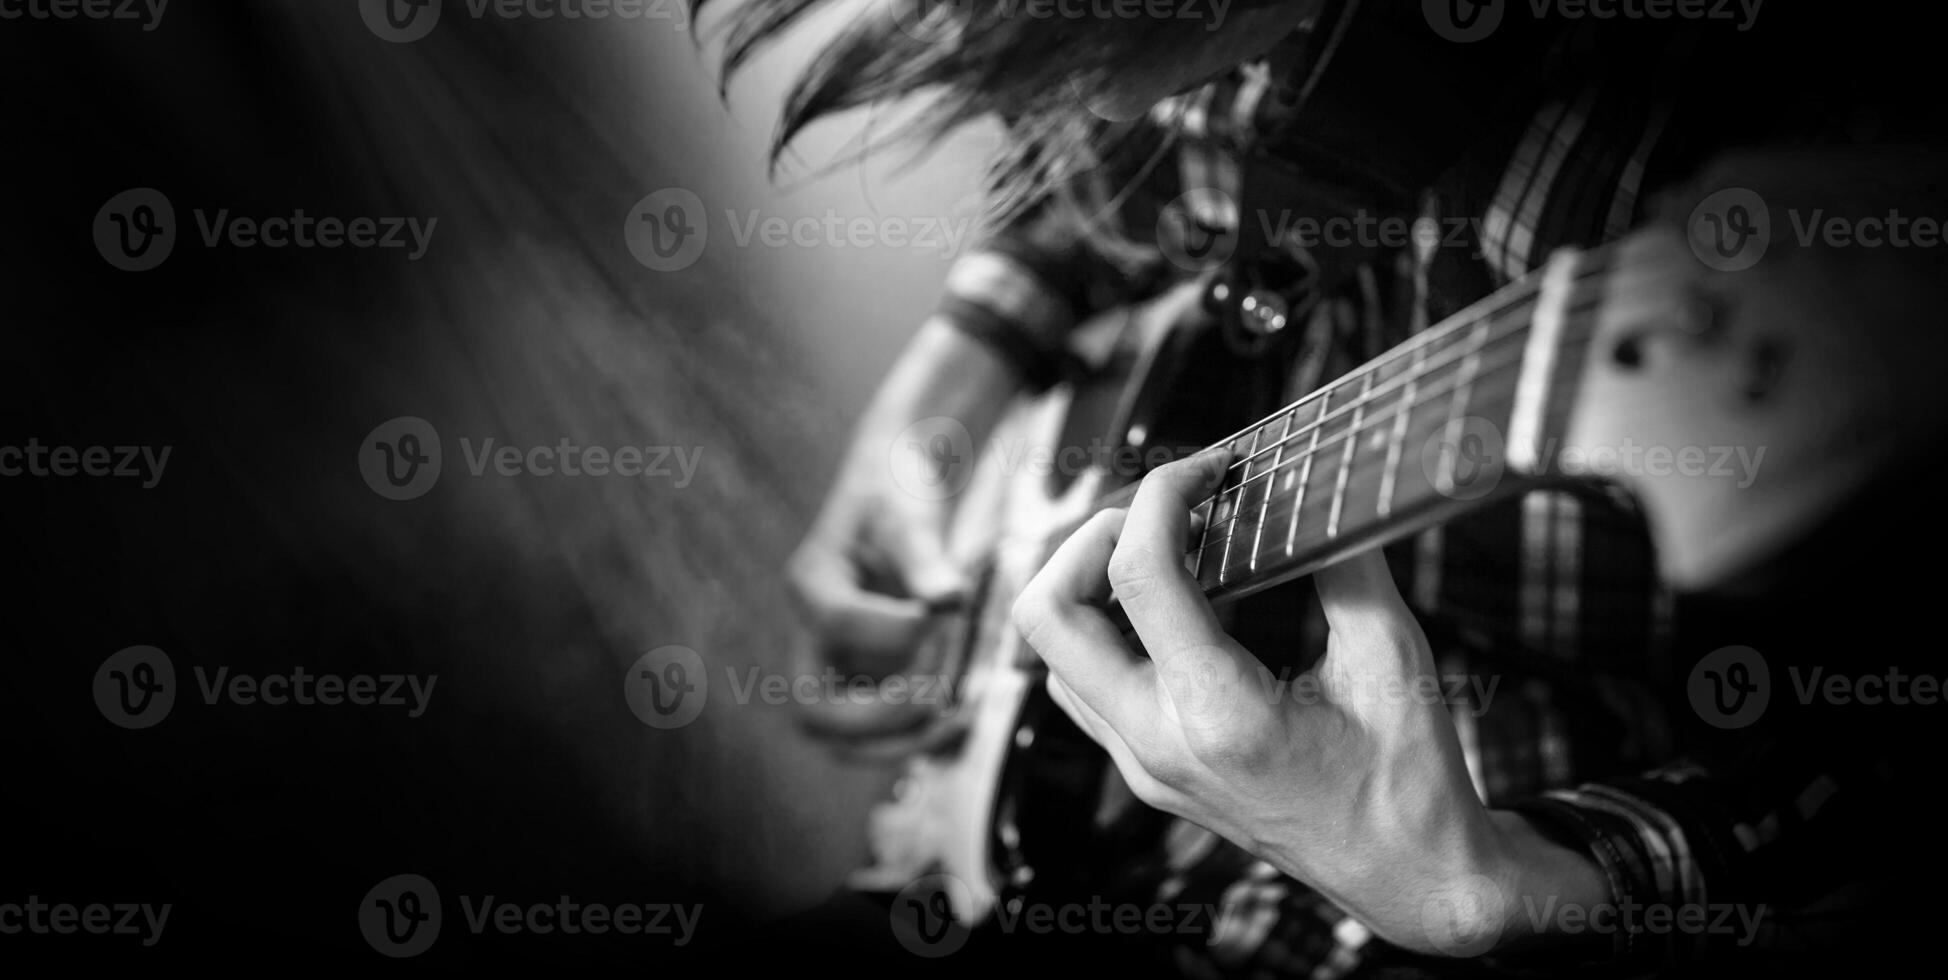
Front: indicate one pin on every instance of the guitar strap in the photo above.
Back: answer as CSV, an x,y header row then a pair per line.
x,y
1276,279
1330,180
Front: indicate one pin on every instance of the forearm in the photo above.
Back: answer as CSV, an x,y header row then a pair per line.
x,y
942,373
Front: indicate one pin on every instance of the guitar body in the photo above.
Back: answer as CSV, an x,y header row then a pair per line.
x,y
1124,416
938,816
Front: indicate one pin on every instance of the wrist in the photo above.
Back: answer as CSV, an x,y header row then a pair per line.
x,y
1507,891
1543,884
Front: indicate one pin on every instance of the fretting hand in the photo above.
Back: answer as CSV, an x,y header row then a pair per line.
x,y
1360,791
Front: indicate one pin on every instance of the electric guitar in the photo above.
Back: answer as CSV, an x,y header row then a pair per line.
x,y
1637,344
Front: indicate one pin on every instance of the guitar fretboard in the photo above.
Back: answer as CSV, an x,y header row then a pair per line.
x,y
1392,447
1416,428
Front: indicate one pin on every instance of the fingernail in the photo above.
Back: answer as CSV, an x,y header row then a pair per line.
x,y
1215,460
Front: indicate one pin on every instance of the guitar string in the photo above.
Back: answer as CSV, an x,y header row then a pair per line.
x,y
1336,438
1309,452
1369,369
1111,500
1489,308
1269,515
1122,496
1427,369
1367,397
1595,263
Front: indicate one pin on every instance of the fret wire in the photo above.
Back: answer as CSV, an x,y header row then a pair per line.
x,y
1342,408
1497,304
1265,503
1346,462
1305,476
1388,417
1463,390
1224,563
1203,541
1481,333
1366,373
1387,476
1427,398
1594,266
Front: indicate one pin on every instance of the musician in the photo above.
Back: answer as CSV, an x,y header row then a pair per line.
x,y
1362,833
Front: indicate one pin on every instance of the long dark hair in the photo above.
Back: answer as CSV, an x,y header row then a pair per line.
x,y
970,60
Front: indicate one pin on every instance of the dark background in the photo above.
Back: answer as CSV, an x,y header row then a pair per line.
x,y
263,550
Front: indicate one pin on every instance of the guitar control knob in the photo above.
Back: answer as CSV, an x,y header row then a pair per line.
x,y
1265,312
1218,296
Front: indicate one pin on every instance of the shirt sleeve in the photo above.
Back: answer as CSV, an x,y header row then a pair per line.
x,y
1761,851
1017,292
1026,286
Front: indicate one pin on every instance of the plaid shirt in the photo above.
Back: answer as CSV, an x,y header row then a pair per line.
x,y
1552,596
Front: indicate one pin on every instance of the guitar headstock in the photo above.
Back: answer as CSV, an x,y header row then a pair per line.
x,y
1741,399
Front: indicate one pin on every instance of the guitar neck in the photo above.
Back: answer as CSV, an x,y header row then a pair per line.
x,y
1432,428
